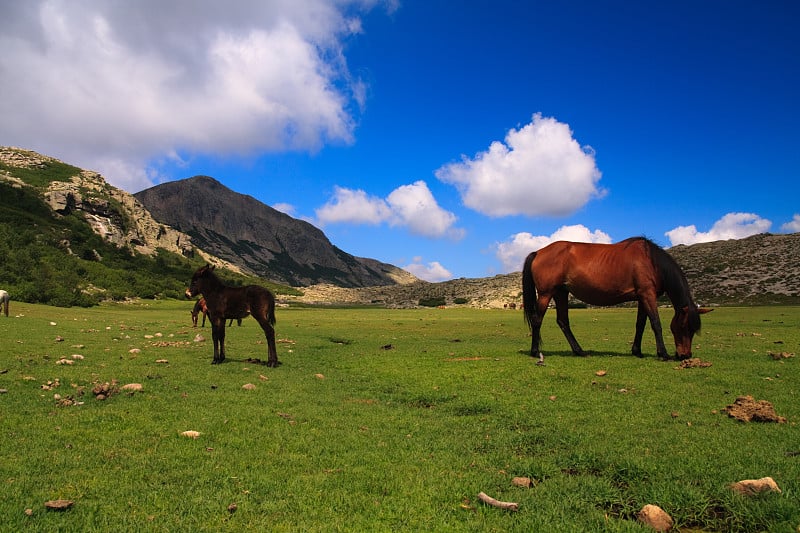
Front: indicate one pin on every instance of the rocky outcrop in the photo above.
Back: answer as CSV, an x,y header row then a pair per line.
x,y
112,213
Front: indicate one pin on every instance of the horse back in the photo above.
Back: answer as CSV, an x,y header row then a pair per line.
x,y
600,274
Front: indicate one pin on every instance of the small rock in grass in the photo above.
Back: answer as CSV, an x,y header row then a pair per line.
x,y
58,505
525,482
655,517
248,386
191,434
600,373
132,387
751,487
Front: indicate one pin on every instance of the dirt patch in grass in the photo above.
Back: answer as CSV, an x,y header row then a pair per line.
x,y
747,409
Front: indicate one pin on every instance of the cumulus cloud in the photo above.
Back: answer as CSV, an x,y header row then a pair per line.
x,y
411,206
731,226
114,86
540,169
432,271
793,226
353,207
512,253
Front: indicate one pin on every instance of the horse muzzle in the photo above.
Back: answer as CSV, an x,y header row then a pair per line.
x,y
189,294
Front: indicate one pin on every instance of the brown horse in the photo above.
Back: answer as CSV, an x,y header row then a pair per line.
x,y
199,307
224,302
635,269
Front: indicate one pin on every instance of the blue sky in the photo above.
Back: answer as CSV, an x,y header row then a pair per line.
x,y
447,138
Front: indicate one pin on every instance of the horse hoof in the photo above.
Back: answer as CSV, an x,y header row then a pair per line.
x,y
540,363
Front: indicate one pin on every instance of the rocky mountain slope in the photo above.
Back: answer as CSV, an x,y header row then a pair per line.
x,y
112,213
762,269
260,239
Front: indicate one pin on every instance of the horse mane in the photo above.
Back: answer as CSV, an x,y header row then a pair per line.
x,y
674,280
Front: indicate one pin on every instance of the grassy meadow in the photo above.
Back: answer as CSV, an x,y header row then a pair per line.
x,y
389,420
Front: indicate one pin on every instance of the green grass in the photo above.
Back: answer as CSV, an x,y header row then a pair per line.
x,y
390,420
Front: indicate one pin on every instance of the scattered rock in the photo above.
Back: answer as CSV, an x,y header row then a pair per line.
x,y
134,350
132,387
524,482
655,517
600,373
199,338
232,508
780,355
751,487
693,362
191,434
58,505
162,361
746,409
319,376
103,391
248,386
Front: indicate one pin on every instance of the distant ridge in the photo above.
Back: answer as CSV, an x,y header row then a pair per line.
x,y
259,239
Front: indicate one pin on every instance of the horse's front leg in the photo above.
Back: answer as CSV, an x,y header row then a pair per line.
x,y
651,308
641,320
562,318
218,335
272,359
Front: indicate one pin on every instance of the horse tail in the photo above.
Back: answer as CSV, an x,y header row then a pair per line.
x,y
529,289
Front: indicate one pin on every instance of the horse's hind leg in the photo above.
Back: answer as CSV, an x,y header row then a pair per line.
x,y
269,332
562,318
641,320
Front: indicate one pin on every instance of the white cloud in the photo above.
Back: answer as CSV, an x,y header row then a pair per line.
x,y
731,226
539,170
793,226
112,86
353,207
411,206
512,253
432,271
415,207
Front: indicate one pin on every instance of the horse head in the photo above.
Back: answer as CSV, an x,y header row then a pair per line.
x,y
685,324
196,285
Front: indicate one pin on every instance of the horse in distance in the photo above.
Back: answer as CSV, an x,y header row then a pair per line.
x,y
199,307
225,302
635,269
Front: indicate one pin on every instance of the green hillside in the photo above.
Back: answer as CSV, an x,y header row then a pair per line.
x,y
58,260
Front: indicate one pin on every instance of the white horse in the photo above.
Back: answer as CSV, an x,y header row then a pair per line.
x,y
4,299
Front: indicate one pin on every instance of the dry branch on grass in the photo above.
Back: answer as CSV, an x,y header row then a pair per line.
x,y
488,500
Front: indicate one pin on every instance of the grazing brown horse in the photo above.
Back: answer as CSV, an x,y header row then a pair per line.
x,y
199,307
635,269
224,302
